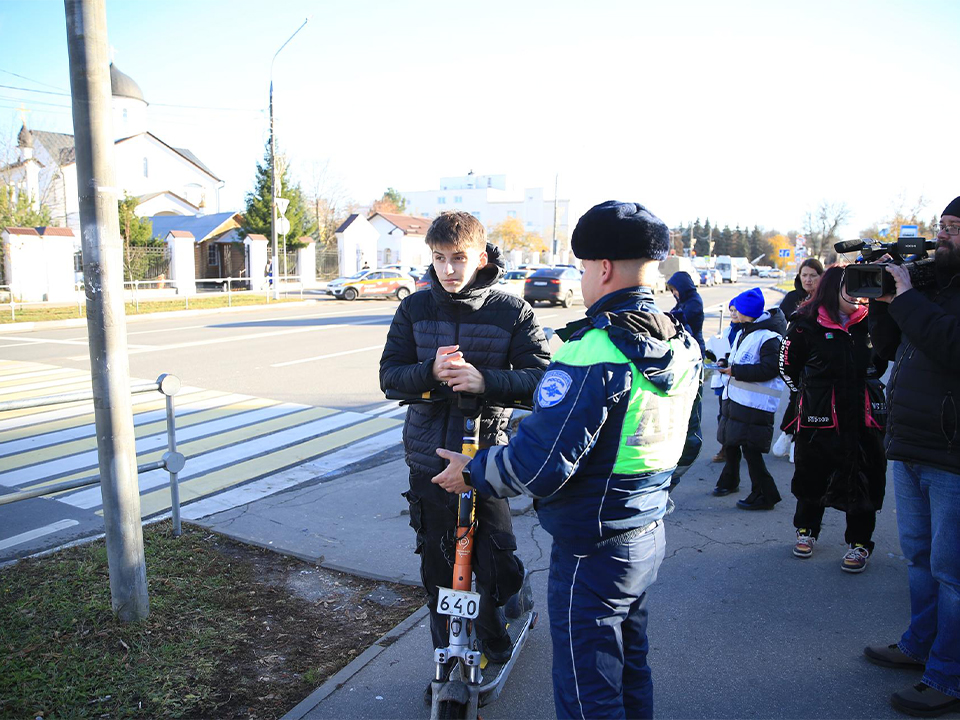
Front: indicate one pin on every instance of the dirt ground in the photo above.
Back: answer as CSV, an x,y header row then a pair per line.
x,y
234,631
305,624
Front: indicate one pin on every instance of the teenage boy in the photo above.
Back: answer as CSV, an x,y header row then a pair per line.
x,y
465,334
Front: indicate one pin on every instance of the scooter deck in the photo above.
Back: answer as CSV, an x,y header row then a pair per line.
x,y
495,675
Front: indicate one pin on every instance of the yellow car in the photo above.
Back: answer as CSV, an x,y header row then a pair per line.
x,y
372,283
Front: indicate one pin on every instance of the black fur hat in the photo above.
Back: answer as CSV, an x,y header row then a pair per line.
x,y
620,231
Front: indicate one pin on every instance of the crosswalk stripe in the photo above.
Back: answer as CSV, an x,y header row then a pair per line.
x,y
151,448
152,435
36,533
34,416
256,467
62,431
50,386
292,477
15,378
13,367
221,450
74,385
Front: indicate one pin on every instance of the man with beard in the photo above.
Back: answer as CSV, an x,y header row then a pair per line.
x,y
921,330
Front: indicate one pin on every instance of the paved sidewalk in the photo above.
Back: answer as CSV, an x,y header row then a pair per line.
x,y
739,627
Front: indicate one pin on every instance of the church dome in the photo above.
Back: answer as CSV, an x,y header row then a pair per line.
x,y
25,138
123,85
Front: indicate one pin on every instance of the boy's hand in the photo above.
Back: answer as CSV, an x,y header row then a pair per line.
x,y
450,367
451,479
445,359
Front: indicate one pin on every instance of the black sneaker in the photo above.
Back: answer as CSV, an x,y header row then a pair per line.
x,y
498,649
891,656
522,601
921,700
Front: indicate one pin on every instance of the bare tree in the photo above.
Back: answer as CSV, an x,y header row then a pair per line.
x,y
821,228
328,201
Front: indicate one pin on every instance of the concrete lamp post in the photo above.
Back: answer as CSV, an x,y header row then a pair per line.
x,y
273,172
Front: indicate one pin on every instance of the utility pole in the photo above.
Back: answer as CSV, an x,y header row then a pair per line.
x,y
274,190
106,322
556,183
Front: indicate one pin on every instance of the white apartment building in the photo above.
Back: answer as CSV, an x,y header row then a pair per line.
x,y
491,200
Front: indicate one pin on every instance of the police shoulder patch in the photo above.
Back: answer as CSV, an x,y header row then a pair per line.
x,y
553,388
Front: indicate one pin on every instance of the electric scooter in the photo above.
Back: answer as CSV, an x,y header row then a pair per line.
x,y
464,679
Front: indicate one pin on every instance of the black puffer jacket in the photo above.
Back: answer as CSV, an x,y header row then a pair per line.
x,y
497,333
922,332
747,426
839,453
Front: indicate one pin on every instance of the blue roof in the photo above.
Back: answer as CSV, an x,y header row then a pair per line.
x,y
200,226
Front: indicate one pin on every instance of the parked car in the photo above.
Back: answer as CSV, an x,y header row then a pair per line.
x,y
411,270
513,281
556,285
372,283
660,283
424,282
710,276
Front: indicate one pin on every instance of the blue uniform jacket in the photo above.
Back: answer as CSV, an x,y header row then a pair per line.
x,y
689,307
609,423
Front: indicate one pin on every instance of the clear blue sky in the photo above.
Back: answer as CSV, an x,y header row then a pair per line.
x,y
746,112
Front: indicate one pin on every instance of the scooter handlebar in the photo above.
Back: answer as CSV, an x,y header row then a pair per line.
x,y
445,394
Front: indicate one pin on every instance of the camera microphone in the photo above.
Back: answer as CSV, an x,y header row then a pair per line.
x,y
846,246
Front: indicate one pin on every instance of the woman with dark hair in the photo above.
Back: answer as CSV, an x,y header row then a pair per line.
x,y
805,283
828,360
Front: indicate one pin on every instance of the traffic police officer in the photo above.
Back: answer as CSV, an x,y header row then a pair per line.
x,y
608,426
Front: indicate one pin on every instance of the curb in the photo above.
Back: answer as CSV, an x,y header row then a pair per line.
x,y
356,665
16,327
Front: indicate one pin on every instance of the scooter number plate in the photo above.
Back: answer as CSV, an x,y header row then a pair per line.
x,y
459,603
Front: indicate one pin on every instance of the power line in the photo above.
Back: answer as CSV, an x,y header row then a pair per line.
x,y
167,105
24,77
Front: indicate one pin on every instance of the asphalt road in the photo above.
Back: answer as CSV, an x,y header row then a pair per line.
x,y
322,353
274,397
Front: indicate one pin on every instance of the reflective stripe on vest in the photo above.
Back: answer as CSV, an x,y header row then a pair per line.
x,y
759,395
655,423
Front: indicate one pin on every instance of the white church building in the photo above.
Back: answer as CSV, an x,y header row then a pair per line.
x,y
166,180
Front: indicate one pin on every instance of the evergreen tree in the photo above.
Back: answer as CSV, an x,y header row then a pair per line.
x,y
724,243
135,230
702,246
738,246
19,212
256,219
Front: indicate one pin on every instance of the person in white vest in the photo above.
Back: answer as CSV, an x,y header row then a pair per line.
x,y
751,395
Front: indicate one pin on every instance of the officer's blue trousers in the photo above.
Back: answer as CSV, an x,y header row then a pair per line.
x,y
598,624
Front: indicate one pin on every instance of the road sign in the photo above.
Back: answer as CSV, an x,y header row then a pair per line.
x,y
784,252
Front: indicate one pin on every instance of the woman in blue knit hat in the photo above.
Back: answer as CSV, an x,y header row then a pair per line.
x,y
751,395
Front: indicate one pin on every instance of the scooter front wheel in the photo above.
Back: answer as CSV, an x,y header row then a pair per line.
x,y
451,710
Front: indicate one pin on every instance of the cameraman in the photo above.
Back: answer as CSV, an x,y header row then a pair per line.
x,y
921,331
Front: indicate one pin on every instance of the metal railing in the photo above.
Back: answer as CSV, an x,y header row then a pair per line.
x,y
287,285
172,461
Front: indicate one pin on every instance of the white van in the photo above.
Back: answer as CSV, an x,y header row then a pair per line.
x,y
728,271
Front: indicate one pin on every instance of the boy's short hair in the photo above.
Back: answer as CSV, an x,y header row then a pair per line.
x,y
457,229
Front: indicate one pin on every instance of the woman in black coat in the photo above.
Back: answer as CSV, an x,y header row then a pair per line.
x,y
804,286
828,360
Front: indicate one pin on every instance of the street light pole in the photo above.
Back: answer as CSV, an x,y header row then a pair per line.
x,y
273,175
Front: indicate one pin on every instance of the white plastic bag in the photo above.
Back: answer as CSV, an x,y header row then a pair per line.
x,y
781,448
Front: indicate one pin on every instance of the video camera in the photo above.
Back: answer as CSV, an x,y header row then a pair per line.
x,y
868,279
